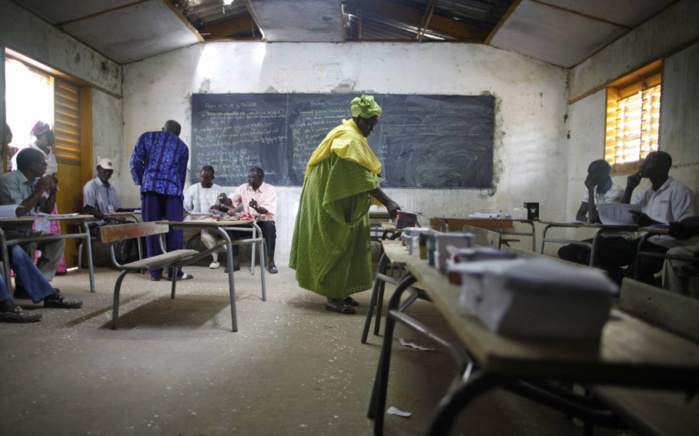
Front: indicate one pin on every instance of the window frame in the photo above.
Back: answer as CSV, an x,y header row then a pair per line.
x,y
641,80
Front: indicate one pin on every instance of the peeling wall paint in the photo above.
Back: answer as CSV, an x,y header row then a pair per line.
x,y
530,146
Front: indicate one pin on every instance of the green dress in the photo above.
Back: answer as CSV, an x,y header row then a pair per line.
x,y
331,247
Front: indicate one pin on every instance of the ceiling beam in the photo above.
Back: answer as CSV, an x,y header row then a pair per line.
x,y
411,16
242,25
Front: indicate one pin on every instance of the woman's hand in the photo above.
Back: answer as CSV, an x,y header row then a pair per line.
x,y
392,208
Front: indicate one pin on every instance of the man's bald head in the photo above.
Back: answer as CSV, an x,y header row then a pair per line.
x,y
173,127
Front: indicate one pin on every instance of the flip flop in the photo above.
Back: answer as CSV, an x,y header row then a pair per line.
x,y
349,301
184,276
344,309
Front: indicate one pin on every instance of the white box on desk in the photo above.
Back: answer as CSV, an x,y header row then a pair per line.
x,y
518,213
538,298
444,240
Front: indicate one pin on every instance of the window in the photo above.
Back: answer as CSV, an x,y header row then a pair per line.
x,y
633,120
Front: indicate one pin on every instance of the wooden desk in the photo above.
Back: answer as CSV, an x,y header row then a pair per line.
x,y
498,225
631,352
601,229
79,220
221,227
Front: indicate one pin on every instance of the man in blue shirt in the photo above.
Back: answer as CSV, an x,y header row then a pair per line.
x,y
159,165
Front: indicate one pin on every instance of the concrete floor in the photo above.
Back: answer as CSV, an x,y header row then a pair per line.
x,y
175,368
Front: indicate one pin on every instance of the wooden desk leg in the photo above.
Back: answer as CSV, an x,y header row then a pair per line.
x,y
377,404
374,296
231,285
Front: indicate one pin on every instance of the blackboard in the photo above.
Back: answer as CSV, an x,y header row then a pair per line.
x,y
422,141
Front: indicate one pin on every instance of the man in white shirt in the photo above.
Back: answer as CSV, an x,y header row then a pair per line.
x,y
199,198
600,189
665,201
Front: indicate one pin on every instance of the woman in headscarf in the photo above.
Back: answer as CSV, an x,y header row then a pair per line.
x,y
331,247
44,143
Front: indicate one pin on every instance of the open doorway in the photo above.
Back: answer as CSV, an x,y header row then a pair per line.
x,y
34,92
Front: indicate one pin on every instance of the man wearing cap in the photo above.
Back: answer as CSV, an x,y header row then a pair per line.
x,y
44,143
331,246
159,165
100,198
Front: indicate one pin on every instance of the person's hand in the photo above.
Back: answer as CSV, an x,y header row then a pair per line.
x,y
223,199
633,180
46,182
641,218
392,208
217,208
253,204
589,183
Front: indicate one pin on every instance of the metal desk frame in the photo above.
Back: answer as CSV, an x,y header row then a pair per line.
x,y
492,225
602,229
222,226
80,220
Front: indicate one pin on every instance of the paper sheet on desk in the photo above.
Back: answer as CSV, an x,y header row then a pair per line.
x,y
56,215
617,213
490,216
8,211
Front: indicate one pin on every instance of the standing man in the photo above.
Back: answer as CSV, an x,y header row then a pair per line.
x,y
258,199
666,200
159,165
32,191
201,198
100,198
600,189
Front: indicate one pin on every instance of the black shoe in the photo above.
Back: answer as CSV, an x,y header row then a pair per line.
x,y
17,315
235,268
58,301
21,293
272,269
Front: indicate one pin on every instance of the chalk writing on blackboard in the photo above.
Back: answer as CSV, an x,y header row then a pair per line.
x,y
422,141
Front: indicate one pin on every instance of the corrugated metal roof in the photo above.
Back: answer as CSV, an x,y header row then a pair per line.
x,y
203,14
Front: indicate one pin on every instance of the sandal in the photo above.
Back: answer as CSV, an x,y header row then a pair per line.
x,y
349,301
343,309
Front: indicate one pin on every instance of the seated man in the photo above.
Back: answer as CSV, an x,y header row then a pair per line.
x,y
600,190
99,198
682,276
259,199
201,198
27,188
37,287
665,201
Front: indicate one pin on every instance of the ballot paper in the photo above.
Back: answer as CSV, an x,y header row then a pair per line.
x,y
539,298
489,216
617,213
8,211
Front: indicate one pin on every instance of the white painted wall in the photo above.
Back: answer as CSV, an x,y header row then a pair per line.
x,y
530,145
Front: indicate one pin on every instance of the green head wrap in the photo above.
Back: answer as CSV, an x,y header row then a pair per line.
x,y
365,107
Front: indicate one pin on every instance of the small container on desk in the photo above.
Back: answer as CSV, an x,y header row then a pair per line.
x,y
405,219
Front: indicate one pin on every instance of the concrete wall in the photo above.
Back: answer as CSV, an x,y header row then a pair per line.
x,y
671,35
530,146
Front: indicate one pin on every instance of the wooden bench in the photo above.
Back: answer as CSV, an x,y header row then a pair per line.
x,y
656,412
110,234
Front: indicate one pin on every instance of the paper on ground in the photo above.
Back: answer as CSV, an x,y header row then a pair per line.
x,y
417,347
394,411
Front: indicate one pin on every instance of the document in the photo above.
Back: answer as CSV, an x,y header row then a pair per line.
x,y
617,213
8,211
